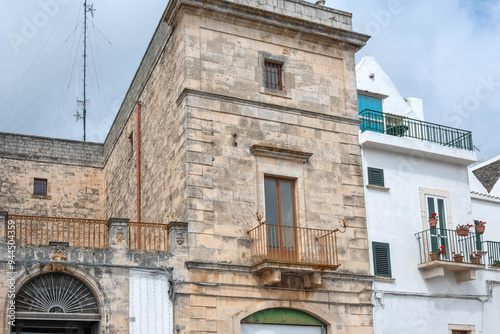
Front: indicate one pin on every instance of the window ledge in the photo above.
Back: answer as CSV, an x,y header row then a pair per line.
x,y
384,279
275,92
379,188
41,197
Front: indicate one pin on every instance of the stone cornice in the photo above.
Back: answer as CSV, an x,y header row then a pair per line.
x,y
51,150
187,92
339,27
248,269
280,153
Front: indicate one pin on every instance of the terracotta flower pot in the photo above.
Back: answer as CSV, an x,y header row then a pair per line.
x,y
433,222
434,257
475,260
463,233
480,229
458,258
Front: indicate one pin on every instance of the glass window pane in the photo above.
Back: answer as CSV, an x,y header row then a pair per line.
x,y
286,196
271,194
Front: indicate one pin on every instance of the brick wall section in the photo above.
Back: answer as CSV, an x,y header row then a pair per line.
x,y
51,150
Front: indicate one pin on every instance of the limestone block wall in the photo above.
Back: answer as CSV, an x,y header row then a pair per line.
x,y
222,206
228,113
343,303
72,168
223,57
162,148
73,191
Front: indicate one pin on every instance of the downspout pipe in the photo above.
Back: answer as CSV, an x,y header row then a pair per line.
x,y
138,156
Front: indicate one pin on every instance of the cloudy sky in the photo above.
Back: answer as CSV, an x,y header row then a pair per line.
x,y
445,52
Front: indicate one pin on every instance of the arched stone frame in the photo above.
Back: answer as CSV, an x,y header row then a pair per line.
x,y
30,272
315,311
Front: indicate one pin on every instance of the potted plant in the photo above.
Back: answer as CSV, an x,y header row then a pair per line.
x,y
496,263
458,257
480,227
435,255
433,220
463,230
475,257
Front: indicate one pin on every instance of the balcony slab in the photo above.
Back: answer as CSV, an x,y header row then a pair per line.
x,y
463,271
409,146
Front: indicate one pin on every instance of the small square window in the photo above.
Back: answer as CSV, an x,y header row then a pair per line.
x,y
376,177
273,75
40,187
381,259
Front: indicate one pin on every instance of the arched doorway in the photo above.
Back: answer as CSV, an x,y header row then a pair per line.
x,y
282,321
56,303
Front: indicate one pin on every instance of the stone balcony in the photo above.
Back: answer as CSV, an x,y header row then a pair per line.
x,y
277,250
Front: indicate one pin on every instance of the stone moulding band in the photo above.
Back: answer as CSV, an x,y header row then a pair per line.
x,y
293,111
280,153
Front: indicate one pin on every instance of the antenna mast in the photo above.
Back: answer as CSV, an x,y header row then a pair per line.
x,y
84,71
86,9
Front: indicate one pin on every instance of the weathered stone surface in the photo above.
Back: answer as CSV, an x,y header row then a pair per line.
x,y
202,109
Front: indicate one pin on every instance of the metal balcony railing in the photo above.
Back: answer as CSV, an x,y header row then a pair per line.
x,y
493,255
402,126
293,246
32,230
470,247
146,236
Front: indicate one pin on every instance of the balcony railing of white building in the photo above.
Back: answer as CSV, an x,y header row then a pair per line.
x,y
401,126
438,244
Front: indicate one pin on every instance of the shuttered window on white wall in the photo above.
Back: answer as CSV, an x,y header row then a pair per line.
x,y
150,309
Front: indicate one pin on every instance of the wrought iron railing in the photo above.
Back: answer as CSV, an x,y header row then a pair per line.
x,y
32,230
402,126
493,255
469,247
146,236
293,245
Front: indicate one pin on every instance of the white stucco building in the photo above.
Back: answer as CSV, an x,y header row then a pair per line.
x,y
411,169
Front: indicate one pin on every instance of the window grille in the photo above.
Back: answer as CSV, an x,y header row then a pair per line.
x,y
273,72
40,187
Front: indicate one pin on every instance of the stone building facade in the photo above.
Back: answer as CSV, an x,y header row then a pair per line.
x,y
234,98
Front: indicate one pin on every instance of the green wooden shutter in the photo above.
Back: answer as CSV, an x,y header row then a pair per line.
x,y
376,176
433,230
381,259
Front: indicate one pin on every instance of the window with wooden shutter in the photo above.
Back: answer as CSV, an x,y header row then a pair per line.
x,y
381,259
376,177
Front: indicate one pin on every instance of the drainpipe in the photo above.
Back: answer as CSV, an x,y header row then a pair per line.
x,y
138,154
